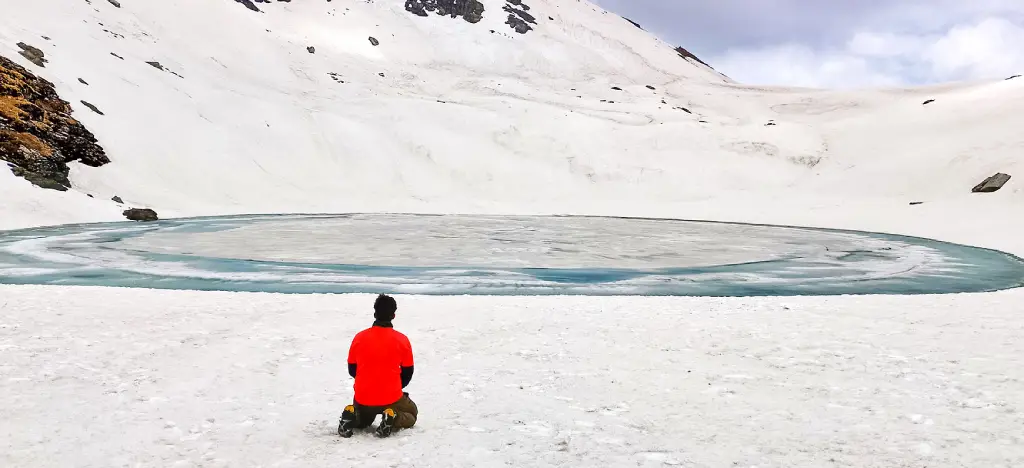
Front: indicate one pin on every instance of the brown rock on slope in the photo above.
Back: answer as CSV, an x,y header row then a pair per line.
x,y
38,137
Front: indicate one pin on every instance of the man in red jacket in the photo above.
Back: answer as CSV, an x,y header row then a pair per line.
x,y
380,359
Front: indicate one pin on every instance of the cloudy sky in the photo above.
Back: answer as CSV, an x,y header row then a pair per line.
x,y
841,43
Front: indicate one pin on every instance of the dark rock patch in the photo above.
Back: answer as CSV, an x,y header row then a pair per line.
x,y
115,3
915,203
518,19
1012,77
118,56
650,87
683,109
92,108
992,184
38,137
336,77
114,34
374,41
117,200
311,49
83,82
634,23
140,214
616,88
156,65
249,4
33,54
928,102
687,55
472,11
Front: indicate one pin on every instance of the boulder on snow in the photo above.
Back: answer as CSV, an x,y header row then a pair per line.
x,y
140,214
117,200
374,41
115,3
311,49
928,102
33,54
992,184
1012,77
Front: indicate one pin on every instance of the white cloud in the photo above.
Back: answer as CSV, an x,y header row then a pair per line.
x,y
988,48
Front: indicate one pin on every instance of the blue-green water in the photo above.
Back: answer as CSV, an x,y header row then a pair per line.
x,y
498,255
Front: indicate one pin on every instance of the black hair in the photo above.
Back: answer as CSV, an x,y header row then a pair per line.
x,y
384,308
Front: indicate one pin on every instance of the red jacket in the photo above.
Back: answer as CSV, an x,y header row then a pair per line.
x,y
380,359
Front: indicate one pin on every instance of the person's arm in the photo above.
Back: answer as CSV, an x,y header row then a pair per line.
x,y
352,357
407,364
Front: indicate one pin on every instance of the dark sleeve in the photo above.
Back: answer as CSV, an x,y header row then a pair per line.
x,y
352,370
406,375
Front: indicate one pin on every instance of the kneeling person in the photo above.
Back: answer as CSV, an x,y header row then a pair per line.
x,y
380,359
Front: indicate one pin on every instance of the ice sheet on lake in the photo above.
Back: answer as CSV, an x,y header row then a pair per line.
x,y
496,255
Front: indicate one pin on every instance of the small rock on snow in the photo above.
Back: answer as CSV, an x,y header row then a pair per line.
x,y
374,41
92,108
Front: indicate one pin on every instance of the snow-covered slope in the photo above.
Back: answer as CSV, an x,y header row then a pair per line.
x,y
446,115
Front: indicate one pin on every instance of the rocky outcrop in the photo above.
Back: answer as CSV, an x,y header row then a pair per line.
x,y
38,137
140,214
374,42
472,11
992,184
927,101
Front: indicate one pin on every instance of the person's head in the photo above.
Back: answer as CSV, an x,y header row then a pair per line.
x,y
384,308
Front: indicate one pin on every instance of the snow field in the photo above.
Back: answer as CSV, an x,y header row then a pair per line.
x,y
115,377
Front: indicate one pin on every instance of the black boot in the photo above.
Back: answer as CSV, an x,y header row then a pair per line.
x,y
348,421
387,421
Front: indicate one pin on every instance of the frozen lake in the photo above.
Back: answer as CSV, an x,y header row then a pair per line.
x,y
499,255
